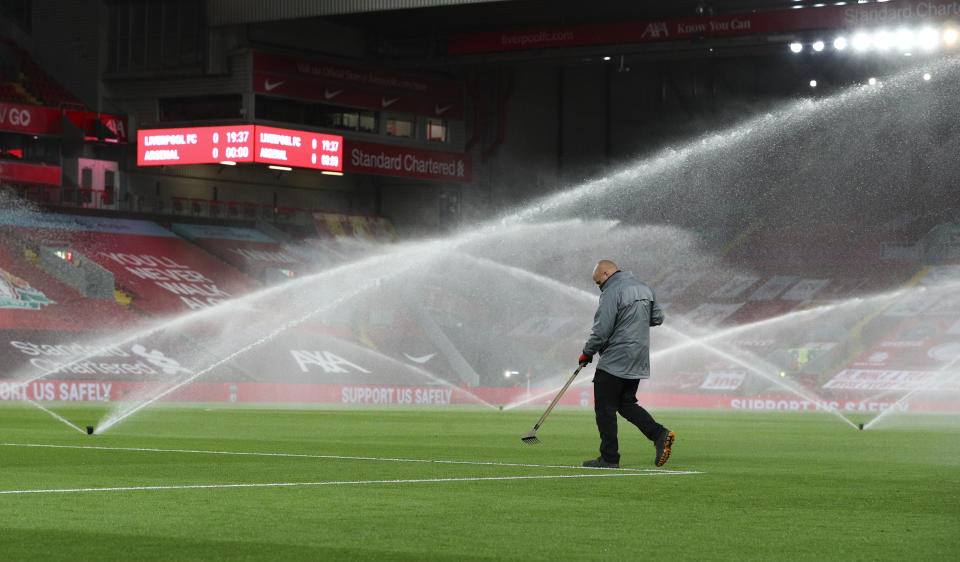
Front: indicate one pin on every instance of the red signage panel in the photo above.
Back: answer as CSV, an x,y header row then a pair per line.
x,y
301,149
389,160
29,173
30,119
773,21
352,95
87,121
368,78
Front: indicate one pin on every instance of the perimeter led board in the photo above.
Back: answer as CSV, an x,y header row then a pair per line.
x,y
239,143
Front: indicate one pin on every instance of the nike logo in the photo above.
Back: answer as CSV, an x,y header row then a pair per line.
x,y
270,86
441,110
387,103
420,360
327,94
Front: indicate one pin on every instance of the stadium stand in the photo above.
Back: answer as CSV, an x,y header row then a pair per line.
x,y
247,249
35,300
162,273
33,84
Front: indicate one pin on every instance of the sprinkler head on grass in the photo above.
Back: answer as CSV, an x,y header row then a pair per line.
x,y
89,430
860,427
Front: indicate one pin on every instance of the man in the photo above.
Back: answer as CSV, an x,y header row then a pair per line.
x,y
621,334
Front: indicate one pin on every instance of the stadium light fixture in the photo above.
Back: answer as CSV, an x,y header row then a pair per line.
x,y
228,162
280,168
796,47
813,83
926,77
817,46
883,40
861,42
904,39
950,36
840,43
331,173
872,81
927,39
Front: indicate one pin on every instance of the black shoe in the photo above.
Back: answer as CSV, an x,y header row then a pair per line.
x,y
663,444
600,463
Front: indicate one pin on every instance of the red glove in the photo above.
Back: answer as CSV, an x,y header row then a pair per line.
x,y
585,359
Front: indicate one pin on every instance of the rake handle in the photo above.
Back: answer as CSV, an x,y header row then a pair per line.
x,y
558,396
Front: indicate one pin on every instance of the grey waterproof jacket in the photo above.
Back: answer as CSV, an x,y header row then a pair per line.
x,y
621,326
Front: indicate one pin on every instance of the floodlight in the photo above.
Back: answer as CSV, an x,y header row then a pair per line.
x,y
927,39
818,46
840,43
904,39
813,83
872,81
861,42
926,76
796,47
883,40
950,36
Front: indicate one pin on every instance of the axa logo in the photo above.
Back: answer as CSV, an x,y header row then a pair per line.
x,y
329,362
17,293
655,30
118,127
15,117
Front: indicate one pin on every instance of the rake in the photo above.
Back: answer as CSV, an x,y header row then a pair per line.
x,y
530,438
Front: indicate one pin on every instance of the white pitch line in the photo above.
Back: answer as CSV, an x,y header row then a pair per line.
x,y
342,482
329,457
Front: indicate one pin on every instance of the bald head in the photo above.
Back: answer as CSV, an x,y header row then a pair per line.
x,y
603,271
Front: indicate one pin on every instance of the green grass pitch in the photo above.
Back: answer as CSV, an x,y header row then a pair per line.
x,y
768,486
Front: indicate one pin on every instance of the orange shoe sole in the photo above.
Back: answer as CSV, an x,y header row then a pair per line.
x,y
667,443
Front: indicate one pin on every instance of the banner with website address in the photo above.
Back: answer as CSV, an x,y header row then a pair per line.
x,y
821,16
318,80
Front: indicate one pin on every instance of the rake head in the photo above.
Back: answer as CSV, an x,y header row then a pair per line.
x,y
530,438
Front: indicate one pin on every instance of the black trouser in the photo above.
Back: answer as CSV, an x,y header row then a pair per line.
x,y
612,395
